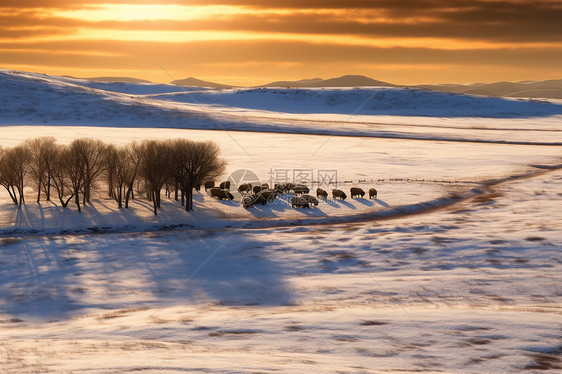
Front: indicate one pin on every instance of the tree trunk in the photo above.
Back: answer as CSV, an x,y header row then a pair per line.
x,y
120,197
128,195
12,196
39,192
189,199
77,201
65,203
49,187
154,203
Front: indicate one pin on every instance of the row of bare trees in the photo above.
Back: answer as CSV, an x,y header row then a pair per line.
x,y
72,172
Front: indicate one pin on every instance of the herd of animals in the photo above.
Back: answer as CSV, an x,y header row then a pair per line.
x,y
263,194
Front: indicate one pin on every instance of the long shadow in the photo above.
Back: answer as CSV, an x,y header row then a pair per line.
x,y
380,202
332,203
261,211
365,202
346,204
55,277
312,212
198,196
229,202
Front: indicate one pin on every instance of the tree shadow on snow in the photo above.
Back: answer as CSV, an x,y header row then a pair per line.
x,y
54,277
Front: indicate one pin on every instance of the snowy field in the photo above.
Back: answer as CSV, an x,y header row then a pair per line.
x,y
455,267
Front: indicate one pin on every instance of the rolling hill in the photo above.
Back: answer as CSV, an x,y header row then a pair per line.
x,y
194,82
343,81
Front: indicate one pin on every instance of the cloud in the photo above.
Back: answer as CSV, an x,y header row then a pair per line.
x,y
289,35
501,21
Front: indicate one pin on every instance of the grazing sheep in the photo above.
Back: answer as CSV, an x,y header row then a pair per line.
x,y
225,195
269,195
372,193
310,199
248,201
259,199
301,189
225,185
321,192
338,194
299,202
245,188
215,192
280,188
356,192
208,185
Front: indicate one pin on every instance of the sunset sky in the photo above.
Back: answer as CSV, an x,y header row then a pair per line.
x,y
250,42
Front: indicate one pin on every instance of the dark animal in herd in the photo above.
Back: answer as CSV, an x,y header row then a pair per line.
x,y
269,195
249,200
215,192
225,185
303,201
311,199
321,193
280,188
299,202
301,189
338,194
225,195
221,194
289,187
209,185
253,199
245,188
372,193
356,192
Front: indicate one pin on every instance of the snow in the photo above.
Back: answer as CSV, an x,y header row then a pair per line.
x,y
456,267
34,99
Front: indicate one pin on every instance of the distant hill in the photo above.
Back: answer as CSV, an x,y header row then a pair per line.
x,y
299,83
111,79
344,81
549,89
194,82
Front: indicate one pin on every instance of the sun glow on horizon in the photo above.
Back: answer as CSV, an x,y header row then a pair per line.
x,y
148,12
286,39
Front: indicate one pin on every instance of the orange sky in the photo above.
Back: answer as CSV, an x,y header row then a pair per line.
x,y
254,42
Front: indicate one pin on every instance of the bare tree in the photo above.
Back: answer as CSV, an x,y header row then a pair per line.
x,y
121,170
42,151
193,163
59,175
90,154
14,168
134,157
154,168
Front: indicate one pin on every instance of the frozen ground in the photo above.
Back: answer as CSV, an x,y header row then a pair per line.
x,y
473,288
455,268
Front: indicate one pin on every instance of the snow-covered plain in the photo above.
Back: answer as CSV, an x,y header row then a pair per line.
x,y
456,267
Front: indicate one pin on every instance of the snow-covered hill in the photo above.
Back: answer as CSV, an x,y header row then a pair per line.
x,y
36,99
59,99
